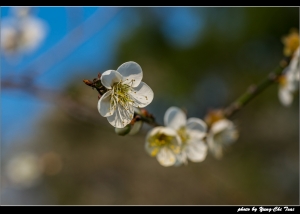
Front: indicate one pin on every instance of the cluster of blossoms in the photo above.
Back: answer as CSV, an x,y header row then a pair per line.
x,y
180,139
289,79
183,139
22,32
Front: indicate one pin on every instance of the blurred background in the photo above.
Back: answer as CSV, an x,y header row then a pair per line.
x,y
56,149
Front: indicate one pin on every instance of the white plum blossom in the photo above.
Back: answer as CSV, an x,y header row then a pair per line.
x,y
164,144
191,132
125,90
21,33
221,134
289,80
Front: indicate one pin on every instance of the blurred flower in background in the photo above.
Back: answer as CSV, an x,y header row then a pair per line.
x,y
164,144
289,80
291,42
222,132
191,132
21,32
23,170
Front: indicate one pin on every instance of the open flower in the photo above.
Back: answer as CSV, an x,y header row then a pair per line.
x,y
222,133
125,90
289,80
191,132
164,144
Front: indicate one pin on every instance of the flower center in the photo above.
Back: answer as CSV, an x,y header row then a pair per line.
x,y
160,139
183,134
120,96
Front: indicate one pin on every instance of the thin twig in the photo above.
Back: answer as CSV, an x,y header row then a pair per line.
x,y
254,90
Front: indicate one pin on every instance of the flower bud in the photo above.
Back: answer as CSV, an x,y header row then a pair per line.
x,y
123,131
136,127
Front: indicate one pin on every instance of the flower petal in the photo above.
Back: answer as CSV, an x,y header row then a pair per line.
x,y
142,95
181,158
196,128
214,147
222,134
196,151
121,117
294,64
285,96
174,118
132,73
166,157
109,77
220,125
104,105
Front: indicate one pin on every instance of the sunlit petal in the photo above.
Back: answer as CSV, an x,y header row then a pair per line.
x,y
196,151
196,128
121,117
220,125
109,77
174,118
285,97
132,73
166,157
104,105
142,95
215,146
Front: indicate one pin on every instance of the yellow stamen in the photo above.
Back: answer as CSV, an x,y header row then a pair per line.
x,y
291,42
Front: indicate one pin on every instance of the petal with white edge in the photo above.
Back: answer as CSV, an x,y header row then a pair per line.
x,y
196,128
109,77
166,157
196,151
181,158
174,118
220,125
292,82
132,73
104,105
142,95
121,117
214,147
294,64
285,97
